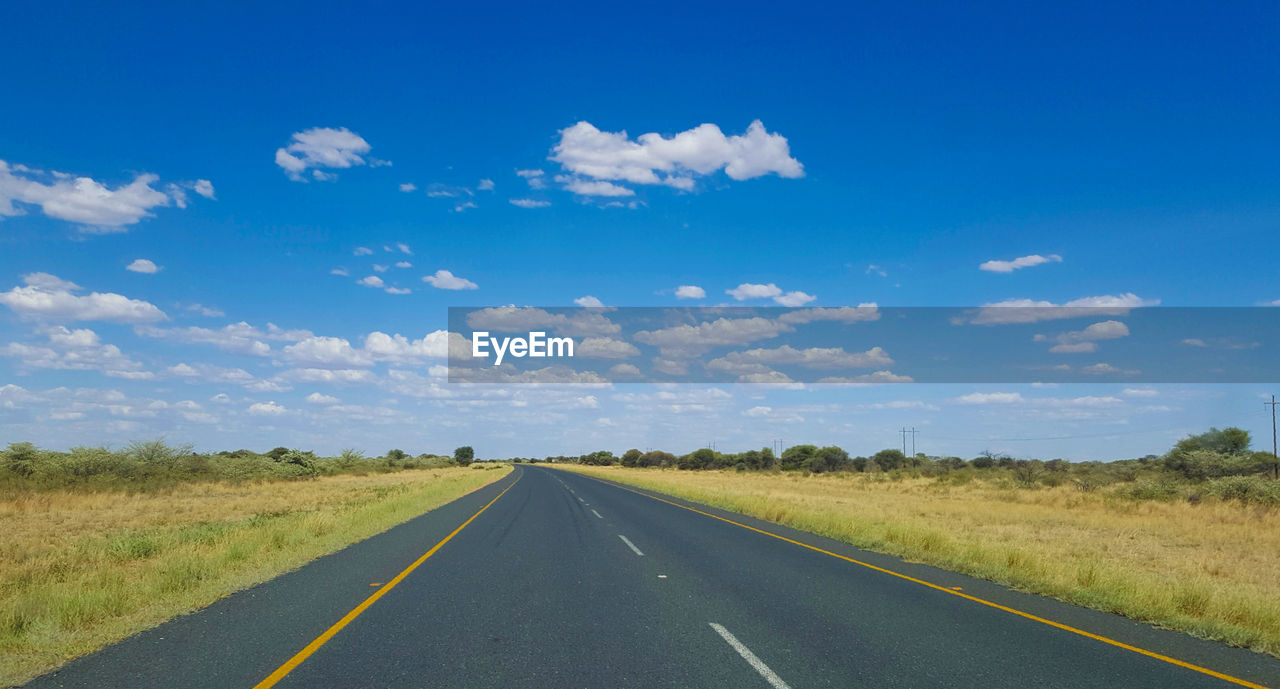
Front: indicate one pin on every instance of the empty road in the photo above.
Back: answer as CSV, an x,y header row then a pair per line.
x,y
552,579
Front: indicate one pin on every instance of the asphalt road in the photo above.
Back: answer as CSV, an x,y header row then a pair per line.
x,y
567,581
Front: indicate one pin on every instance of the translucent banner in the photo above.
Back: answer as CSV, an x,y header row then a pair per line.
x,y
865,344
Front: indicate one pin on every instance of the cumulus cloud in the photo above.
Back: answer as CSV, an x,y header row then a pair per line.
x,y
1019,263
97,207
753,360
840,314
691,340
408,187
605,348
444,279
1032,311
317,398
371,281
362,251
322,148
142,265
596,161
237,338
76,350
1085,341
748,290
485,185
49,297
523,319
529,203
326,352
266,409
991,398
690,292
624,371
588,301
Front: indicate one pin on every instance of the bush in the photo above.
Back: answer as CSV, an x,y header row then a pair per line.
x,y
463,455
21,458
1159,489
1251,490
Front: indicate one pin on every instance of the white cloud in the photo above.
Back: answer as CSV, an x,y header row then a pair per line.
x,y
794,299
748,290
515,319
529,203
444,279
592,157
362,251
322,148
991,398
1140,392
380,268
1031,311
204,188
485,185
464,206
404,248
317,398
1085,341
221,398
758,412
605,348
340,271
690,340
237,338
841,314
752,360
142,265
47,296
624,371
266,409
371,281
96,206
690,292
588,301
403,264
873,269
585,187
326,352
76,350
398,290
206,311
1019,263
408,187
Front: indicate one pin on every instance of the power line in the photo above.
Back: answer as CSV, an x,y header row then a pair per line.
x,y
1063,437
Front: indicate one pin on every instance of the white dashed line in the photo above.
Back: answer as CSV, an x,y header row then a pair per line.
x,y
769,675
597,514
631,545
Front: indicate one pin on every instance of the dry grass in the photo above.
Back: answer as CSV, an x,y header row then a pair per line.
x,y
1210,569
81,570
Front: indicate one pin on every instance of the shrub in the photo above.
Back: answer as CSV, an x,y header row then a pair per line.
x,y
463,455
1251,490
21,458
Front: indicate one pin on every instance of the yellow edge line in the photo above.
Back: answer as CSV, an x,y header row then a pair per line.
x,y
997,606
329,633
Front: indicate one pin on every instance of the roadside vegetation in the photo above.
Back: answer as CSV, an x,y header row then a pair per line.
x,y
100,544
1187,540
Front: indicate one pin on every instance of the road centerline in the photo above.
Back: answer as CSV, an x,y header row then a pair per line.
x,y
752,659
597,514
631,545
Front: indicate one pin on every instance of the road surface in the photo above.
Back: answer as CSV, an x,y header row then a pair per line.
x,y
553,579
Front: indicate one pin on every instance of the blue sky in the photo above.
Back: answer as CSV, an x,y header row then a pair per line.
x,y
1135,151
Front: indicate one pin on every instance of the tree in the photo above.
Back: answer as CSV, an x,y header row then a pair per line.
x,y
397,455
828,459
631,458
277,453
463,455
21,458
1227,441
702,458
888,460
797,456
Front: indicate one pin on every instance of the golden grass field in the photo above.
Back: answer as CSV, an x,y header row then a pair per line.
x,y
80,570
1211,569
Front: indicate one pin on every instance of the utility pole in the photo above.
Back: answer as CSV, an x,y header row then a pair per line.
x,y
913,441
1275,468
904,433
